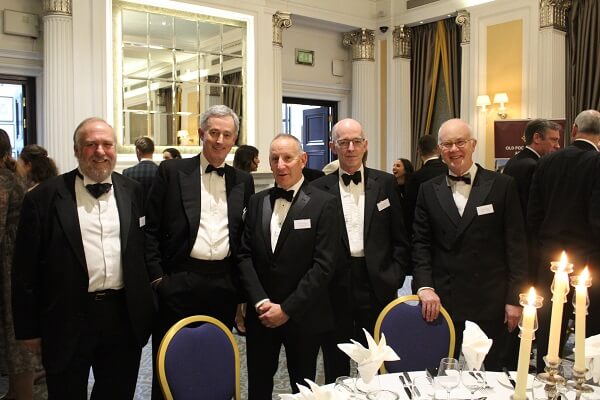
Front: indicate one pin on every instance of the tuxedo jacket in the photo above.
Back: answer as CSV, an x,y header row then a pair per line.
x,y
50,275
521,166
429,170
476,263
143,172
297,274
173,212
384,237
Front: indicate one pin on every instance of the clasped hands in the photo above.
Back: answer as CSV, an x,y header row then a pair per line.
x,y
271,315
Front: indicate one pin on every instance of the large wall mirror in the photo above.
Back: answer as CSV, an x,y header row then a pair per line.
x,y
172,65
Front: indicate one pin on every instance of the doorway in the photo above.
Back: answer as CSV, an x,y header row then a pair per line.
x,y
17,110
311,121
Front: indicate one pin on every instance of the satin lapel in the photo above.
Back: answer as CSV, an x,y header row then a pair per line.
x,y
189,184
371,191
444,195
66,208
334,189
124,204
479,192
297,206
267,212
229,179
235,196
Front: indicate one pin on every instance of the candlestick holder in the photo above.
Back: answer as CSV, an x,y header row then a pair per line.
x,y
578,383
551,377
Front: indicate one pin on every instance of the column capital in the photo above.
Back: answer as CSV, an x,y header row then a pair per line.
x,y
553,13
463,18
281,20
57,7
362,43
401,35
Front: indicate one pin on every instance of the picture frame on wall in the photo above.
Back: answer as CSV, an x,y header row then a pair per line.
x,y
6,109
305,57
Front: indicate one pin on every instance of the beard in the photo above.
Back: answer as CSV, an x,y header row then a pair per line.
x,y
96,172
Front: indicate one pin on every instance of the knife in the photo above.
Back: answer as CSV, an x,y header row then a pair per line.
x,y
510,379
406,389
410,382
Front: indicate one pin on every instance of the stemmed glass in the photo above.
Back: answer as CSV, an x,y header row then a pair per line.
x,y
448,374
472,378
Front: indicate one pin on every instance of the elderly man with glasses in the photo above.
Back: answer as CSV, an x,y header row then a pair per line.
x,y
469,248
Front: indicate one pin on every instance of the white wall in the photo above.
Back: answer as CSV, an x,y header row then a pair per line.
x,y
21,43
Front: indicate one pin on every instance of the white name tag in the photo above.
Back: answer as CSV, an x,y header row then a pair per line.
x,y
302,224
486,209
142,221
383,204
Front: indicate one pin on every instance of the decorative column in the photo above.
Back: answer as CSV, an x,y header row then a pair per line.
x,y
401,129
58,124
364,99
281,21
551,66
463,19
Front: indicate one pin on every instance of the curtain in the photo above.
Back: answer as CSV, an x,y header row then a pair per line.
x,y
232,97
583,59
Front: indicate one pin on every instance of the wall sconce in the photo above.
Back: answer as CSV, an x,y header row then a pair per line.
x,y
483,101
501,98
182,136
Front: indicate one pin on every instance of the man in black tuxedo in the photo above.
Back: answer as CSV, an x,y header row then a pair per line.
x,y
564,214
374,256
286,261
81,292
469,249
194,226
433,166
145,170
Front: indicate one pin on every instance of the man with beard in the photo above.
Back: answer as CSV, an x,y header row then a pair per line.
x,y
81,292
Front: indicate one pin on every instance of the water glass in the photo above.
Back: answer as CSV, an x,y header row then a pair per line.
x,y
473,379
448,374
423,388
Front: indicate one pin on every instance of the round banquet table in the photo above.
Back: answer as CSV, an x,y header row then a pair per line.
x,y
499,388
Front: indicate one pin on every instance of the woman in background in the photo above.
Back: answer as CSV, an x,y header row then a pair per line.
x,y
15,361
171,154
246,158
35,166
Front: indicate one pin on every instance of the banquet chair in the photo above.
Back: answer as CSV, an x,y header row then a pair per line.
x,y
418,343
199,359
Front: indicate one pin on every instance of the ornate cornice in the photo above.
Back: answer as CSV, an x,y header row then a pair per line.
x,y
281,20
463,18
57,7
362,43
553,13
401,35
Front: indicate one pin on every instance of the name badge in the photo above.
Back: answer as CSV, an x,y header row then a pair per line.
x,y
142,221
383,204
302,224
486,209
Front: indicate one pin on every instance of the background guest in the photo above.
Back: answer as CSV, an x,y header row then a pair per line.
x,y
35,166
246,158
15,361
402,170
171,154
144,171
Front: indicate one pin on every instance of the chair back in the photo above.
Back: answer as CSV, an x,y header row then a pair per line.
x,y
418,343
199,359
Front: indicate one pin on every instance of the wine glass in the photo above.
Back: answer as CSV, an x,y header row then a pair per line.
x,y
448,374
472,378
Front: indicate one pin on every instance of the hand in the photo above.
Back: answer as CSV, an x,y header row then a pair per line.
x,y
274,317
430,304
33,345
240,314
512,314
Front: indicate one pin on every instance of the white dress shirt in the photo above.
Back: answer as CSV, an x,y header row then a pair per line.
x,y
101,235
212,240
353,204
281,208
460,190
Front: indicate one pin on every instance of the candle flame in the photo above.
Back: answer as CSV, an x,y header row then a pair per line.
x,y
563,261
585,275
531,297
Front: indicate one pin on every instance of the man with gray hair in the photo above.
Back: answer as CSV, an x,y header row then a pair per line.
x,y
194,223
81,291
469,248
564,214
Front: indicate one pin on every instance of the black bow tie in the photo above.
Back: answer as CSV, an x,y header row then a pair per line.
x,y
279,193
98,189
355,177
466,178
219,170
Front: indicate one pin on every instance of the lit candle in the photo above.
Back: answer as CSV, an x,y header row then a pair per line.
x,y
559,290
527,327
582,283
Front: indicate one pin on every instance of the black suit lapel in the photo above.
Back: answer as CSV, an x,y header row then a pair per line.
x,y
124,202
189,184
66,208
333,187
479,192
297,206
444,195
371,190
267,211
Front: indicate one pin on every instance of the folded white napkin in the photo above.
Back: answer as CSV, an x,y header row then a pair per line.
x,y
592,358
475,345
314,392
369,360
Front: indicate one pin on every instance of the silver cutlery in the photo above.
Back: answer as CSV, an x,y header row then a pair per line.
x,y
411,384
406,388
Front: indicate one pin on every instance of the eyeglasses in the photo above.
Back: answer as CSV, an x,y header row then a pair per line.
x,y
344,143
461,143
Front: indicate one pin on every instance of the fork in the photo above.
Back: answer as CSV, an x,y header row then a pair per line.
x,y
410,383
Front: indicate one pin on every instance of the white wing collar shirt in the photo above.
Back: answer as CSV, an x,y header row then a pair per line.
x,y
281,208
101,235
461,190
212,241
353,204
